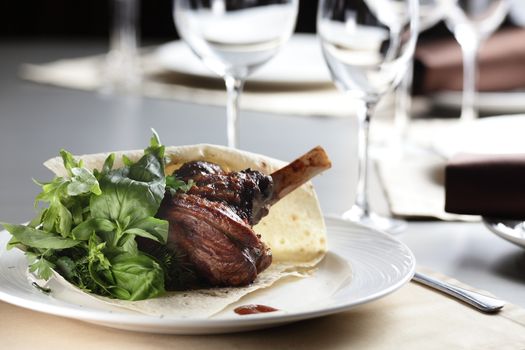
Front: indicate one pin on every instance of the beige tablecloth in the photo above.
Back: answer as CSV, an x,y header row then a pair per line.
x,y
86,73
414,317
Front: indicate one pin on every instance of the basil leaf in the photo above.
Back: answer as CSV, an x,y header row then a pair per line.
x,y
136,277
77,213
142,233
154,141
126,160
123,198
69,161
153,228
128,244
108,163
49,218
65,219
37,219
39,239
82,181
133,193
84,230
156,148
147,169
13,242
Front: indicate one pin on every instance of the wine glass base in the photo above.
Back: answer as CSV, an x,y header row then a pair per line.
x,y
381,223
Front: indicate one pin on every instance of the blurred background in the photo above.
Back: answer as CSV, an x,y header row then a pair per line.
x,y
91,19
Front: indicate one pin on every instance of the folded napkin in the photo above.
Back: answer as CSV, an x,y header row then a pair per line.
x,y
414,317
413,181
439,66
487,185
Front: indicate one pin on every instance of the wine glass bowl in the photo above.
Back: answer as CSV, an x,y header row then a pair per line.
x,y
366,56
472,22
430,13
476,18
367,45
233,38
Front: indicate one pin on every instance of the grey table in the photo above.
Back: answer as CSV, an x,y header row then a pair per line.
x,y
36,121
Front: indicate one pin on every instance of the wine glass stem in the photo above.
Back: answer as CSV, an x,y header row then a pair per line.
x,y
364,113
403,104
469,111
121,65
124,34
233,88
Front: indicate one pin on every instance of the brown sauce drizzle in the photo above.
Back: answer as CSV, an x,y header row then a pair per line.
x,y
253,309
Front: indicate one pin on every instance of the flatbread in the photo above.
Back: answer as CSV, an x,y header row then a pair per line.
x,y
294,230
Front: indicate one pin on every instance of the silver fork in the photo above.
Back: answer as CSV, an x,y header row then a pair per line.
x,y
479,301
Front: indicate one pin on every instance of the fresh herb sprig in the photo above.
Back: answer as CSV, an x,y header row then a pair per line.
x,y
88,227
175,184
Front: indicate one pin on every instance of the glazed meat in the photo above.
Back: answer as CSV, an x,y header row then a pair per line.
x,y
222,248
247,192
211,224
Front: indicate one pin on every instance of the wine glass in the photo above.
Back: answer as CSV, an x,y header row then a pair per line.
x,y
233,38
472,22
121,67
430,13
367,45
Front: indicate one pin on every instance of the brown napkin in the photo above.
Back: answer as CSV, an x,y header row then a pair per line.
x,y
487,185
439,66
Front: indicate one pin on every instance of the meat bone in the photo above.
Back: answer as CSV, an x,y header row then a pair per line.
x,y
298,172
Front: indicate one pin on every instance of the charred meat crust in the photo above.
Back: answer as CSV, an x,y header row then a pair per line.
x,y
222,248
247,192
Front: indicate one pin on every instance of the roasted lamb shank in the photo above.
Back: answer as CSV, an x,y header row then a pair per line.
x,y
211,224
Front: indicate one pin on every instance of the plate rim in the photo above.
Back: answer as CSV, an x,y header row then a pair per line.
x,y
161,52
509,238
211,325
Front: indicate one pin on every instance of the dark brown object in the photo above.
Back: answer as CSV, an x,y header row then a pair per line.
x,y
211,224
487,185
439,64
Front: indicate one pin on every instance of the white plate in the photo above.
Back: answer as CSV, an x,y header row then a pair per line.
x,y
362,265
502,102
299,62
510,230
493,135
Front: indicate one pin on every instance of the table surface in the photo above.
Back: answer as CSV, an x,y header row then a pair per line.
x,y
37,120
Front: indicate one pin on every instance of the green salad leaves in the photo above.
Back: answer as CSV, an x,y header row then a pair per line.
x,y
87,228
